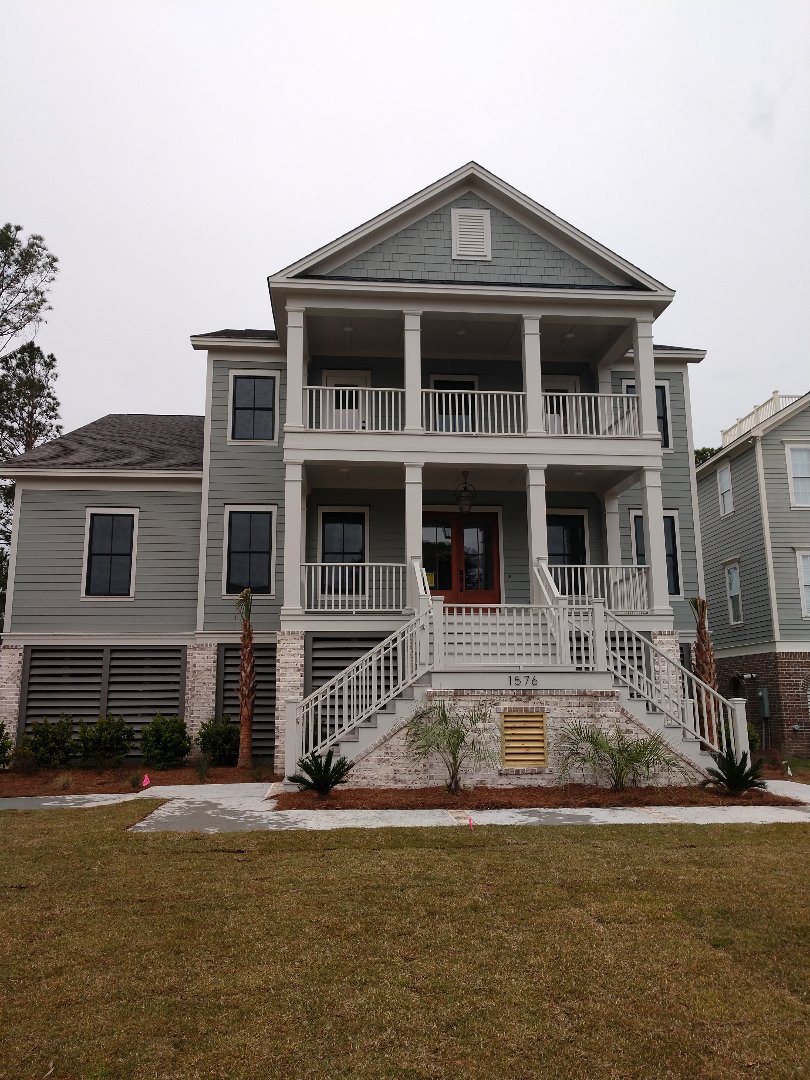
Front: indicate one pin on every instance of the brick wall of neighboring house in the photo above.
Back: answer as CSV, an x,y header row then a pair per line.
x,y
787,679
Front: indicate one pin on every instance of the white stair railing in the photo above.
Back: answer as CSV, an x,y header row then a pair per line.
x,y
672,689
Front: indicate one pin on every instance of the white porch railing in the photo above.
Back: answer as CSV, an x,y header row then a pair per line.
x,y
592,414
473,412
353,586
513,636
623,588
356,408
775,403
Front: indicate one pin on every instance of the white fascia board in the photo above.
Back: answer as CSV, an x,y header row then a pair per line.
x,y
102,477
748,437
204,344
472,176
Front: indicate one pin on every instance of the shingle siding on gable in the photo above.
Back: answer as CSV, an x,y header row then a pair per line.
x,y
423,252
737,534
790,529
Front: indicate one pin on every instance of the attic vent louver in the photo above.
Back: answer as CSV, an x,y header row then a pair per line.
x,y
472,238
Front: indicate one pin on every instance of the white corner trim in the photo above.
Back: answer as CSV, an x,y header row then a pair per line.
x,y
257,508
202,567
252,373
12,557
766,535
131,511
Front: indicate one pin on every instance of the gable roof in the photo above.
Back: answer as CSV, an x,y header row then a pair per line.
x,y
755,431
119,442
616,271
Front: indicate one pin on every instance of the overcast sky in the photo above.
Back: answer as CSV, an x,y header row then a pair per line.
x,y
173,153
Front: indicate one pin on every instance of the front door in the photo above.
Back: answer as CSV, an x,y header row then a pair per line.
x,y
461,557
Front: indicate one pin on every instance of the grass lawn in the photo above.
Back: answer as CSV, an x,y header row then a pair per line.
x,y
569,952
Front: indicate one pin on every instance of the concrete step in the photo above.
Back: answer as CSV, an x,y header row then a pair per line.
x,y
678,738
363,736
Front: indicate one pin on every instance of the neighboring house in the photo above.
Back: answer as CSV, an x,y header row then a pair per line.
x,y
460,442
755,522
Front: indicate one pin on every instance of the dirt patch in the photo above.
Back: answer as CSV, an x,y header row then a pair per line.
x,y
81,781
486,798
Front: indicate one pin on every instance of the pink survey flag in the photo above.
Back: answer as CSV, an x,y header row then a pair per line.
x,y
146,780
470,822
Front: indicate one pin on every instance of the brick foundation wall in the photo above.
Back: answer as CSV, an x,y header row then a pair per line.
x,y
787,678
201,685
388,764
289,684
11,665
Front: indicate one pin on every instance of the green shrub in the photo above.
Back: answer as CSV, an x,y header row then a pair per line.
x,y
735,774
51,742
754,741
165,742
321,774
6,747
613,757
22,760
106,742
219,741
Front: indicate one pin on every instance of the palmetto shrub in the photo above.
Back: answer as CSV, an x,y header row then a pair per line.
x,y
611,756
320,773
735,774
460,737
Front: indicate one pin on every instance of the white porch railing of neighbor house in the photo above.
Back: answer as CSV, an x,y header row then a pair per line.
x,y
473,412
623,588
591,414
355,408
353,586
775,403
669,687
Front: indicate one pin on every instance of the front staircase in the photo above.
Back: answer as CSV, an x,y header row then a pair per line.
x,y
554,639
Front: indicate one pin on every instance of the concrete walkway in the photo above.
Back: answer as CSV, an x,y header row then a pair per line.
x,y
219,808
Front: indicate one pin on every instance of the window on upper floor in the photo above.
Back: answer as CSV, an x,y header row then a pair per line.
x,y
249,531
109,554
661,410
472,234
734,593
671,546
798,459
724,492
254,403
803,559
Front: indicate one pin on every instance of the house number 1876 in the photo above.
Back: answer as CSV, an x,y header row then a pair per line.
x,y
523,680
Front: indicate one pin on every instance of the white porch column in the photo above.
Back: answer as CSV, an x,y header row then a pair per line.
x,y
652,508
295,370
644,371
532,385
536,512
413,373
293,536
413,526
612,533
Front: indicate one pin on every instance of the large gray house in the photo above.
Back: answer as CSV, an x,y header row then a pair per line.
x,y
755,518
459,465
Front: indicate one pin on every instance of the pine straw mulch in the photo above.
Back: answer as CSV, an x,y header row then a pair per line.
x,y
84,781
488,798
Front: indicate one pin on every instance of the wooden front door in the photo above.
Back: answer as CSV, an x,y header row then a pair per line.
x,y
460,554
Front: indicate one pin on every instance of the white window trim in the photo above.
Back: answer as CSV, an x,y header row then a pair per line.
x,y
727,564
325,509
132,511
800,554
720,469
788,447
637,513
556,511
667,384
257,508
254,373
454,213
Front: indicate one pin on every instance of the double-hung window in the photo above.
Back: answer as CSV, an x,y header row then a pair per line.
x,y
734,593
343,551
803,559
109,553
253,408
799,475
671,547
249,554
661,411
724,492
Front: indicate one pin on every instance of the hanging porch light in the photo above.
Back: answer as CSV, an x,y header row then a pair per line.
x,y
465,494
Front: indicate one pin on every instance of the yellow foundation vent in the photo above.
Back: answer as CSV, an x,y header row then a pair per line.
x,y
523,740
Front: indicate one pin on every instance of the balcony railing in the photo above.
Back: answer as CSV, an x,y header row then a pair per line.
x,y
775,403
623,588
592,414
473,412
347,587
354,408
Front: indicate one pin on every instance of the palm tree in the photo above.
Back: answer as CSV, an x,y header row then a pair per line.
x,y
705,667
247,680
